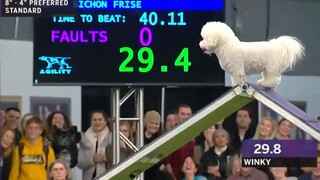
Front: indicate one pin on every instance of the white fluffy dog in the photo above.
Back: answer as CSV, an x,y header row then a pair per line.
x,y
270,58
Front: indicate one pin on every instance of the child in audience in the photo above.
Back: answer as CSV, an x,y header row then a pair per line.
x,y
24,120
31,157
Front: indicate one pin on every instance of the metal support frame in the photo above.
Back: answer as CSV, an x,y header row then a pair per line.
x,y
163,103
116,102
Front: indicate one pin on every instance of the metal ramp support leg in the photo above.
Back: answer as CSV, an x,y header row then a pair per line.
x,y
116,102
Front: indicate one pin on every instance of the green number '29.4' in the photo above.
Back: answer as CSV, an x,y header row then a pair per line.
x,y
146,57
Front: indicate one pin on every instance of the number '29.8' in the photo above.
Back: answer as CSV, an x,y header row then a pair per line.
x,y
266,149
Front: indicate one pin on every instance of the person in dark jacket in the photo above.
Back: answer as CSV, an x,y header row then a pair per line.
x,y
244,129
215,161
151,132
58,120
7,146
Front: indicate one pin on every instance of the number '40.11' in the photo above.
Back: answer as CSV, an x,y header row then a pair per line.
x,y
146,57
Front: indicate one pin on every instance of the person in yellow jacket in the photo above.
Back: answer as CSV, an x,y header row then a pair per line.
x,y
31,161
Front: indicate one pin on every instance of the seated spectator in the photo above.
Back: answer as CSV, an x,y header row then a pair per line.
x,y
266,129
7,147
170,121
284,129
190,170
244,129
234,165
152,132
58,170
248,173
215,161
280,173
31,157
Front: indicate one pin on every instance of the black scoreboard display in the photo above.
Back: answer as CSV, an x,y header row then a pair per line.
x,y
126,42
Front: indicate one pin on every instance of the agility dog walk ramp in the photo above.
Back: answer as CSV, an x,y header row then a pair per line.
x,y
286,109
205,118
177,137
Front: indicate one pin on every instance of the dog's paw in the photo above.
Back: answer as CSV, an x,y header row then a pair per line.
x,y
260,81
267,84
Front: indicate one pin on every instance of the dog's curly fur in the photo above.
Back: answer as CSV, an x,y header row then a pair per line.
x,y
270,58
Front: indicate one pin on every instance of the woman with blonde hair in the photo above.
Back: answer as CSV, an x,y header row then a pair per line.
x,y
58,170
266,129
7,146
151,132
216,160
125,151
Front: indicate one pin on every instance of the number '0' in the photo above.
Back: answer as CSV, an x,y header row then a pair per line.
x,y
149,36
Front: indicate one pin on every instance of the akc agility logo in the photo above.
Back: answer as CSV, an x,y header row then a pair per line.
x,y
55,65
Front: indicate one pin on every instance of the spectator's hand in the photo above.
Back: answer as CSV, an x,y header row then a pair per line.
x,y
99,158
214,170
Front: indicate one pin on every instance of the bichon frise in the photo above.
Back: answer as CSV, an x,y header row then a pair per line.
x,y
270,58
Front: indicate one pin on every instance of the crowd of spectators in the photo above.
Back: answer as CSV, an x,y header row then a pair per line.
x,y
32,151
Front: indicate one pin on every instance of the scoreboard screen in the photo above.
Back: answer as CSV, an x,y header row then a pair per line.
x,y
121,43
